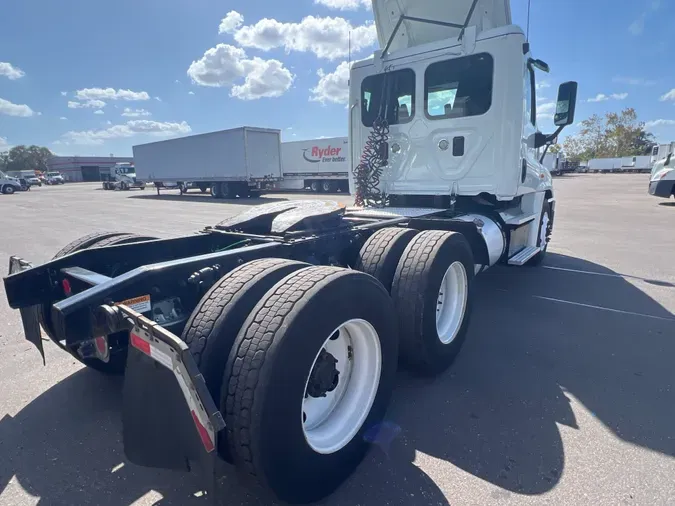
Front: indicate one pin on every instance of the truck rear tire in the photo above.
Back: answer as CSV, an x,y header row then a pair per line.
x,y
117,362
286,394
215,322
381,253
432,291
328,186
315,186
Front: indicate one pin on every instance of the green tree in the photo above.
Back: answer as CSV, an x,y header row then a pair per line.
x,y
614,135
555,148
26,158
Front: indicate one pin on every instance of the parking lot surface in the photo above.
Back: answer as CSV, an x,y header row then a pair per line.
x,y
563,394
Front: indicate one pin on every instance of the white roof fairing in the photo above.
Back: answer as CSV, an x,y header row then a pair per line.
x,y
486,14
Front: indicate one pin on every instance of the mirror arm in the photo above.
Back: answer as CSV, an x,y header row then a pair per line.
x,y
549,140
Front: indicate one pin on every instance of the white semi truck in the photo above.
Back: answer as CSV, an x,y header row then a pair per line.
x,y
320,165
271,340
229,163
123,177
662,178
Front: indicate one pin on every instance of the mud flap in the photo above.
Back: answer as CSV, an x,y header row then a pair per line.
x,y
29,315
169,420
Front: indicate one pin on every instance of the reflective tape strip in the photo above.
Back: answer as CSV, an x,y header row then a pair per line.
x,y
167,356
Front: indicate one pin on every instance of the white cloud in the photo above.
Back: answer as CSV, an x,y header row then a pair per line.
x,y
64,93
542,84
3,143
333,87
601,97
264,78
10,71
89,104
63,118
223,65
545,110
158,99
99,111
326,37
344,5
638,26
220,66
634,81
135,113
660,122
10,109
128,129
191,92
110,94
231,22
668,96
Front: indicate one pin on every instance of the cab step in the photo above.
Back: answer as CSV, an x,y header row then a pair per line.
x,y
523,255
517,220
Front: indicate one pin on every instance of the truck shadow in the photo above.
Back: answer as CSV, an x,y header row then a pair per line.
x,y
535,350
530,356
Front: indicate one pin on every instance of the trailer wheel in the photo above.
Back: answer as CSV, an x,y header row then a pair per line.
x,y
381,253
117,361
328,186
309,378
315,186
216,189
215,322
432,294
545,230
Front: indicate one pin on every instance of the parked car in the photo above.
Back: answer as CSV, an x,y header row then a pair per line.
x,y
33,181
9,184
54,178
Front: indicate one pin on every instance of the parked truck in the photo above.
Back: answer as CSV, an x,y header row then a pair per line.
x,y
320,165
228,163
123,177
662,178
271,339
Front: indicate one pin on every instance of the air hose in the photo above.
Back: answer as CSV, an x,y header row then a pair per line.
x,y
368,172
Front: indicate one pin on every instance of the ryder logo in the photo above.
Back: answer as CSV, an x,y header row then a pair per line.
x,y
317,154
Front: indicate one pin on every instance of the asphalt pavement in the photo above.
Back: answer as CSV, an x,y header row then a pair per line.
x,y
563,394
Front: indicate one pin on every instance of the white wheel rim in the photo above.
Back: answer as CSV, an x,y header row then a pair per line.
x,y
451,304
331,422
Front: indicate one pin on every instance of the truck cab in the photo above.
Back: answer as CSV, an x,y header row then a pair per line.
x,y
455,85
123,177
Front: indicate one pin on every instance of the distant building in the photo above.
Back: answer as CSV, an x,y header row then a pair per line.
x,y
85,168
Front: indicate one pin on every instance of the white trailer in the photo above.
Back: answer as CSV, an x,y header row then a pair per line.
x,y
321,165
553,162
604,164
231,163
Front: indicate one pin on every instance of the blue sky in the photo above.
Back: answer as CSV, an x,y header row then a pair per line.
x,y
84,77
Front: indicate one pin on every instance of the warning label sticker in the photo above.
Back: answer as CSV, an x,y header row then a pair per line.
x,y
139,304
